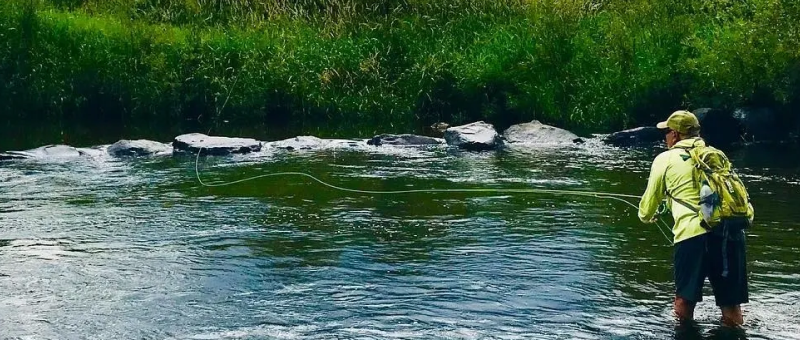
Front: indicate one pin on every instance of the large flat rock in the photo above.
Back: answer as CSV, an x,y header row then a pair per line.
x,y
538,133
300,143
213,145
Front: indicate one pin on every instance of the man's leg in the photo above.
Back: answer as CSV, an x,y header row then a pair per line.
x,y
730,289
690,273
732,315
684,309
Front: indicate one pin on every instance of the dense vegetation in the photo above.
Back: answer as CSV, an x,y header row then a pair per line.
x,y
395,65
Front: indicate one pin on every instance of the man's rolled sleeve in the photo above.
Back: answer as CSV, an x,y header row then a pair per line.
x,y
656,190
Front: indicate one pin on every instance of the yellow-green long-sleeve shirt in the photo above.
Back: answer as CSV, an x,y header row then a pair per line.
x,y
672,171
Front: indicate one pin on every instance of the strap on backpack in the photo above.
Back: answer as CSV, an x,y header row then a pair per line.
x,y
694,182
693,209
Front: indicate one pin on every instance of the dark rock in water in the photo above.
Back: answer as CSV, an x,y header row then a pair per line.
x,y
300,143
440,126
474,136
538,133
212,145
718,127
140,147
640,136
760,124
436,129
387,139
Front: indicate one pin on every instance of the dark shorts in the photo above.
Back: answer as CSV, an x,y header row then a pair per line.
x,y
702,256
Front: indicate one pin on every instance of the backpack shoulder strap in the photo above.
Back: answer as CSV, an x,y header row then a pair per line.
x,y
693,209
688,150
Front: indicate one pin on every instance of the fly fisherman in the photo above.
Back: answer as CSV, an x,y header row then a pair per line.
x,y
708,233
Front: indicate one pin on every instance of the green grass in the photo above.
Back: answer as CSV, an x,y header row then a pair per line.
x,y
395,65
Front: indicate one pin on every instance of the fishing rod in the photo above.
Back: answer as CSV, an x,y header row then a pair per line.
x,y
596,194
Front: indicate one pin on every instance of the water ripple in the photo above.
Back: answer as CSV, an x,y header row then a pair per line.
x,y
103,248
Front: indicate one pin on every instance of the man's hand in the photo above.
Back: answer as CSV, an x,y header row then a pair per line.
x,y
651,220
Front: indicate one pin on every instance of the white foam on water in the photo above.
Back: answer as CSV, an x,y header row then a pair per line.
x,y
263,331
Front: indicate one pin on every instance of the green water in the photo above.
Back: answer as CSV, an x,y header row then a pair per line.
x,y
102,248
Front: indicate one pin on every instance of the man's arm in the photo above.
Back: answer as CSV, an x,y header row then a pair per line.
x,y
656,190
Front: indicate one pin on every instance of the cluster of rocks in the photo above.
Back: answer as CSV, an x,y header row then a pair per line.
x,y
718,127
474,136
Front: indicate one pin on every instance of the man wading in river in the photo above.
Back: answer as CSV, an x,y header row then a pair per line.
x,y
708,234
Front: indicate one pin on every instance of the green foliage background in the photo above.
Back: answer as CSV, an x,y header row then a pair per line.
x,y
395,65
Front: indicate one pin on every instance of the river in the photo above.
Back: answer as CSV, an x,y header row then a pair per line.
x,y
103,248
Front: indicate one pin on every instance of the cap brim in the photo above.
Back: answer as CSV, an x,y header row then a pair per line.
x,y
662,125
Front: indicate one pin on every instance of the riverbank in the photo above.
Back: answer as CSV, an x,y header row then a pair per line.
x,y
345,66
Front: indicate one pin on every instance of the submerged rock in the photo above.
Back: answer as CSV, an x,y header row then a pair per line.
x,y
538,133
405,139
213,145
300,143
640,136
474,136
47,151
140,147
345,143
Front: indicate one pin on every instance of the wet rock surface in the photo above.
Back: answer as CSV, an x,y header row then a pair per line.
x,y
45,152
537,133
213,145
136,148
300,143
640,136
474,136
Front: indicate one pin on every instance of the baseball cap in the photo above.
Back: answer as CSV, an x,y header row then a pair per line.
x,y
681,121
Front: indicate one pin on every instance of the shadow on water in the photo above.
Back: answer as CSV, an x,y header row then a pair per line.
x,y
692,331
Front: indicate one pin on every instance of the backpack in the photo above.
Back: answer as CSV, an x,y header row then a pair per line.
x,y
723,196
724,200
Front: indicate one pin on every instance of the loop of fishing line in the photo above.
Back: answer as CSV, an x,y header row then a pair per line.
x,y
597,194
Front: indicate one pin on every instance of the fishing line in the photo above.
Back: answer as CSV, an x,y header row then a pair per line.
x,y
597,194
608,195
